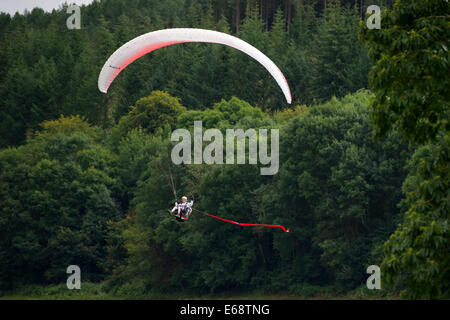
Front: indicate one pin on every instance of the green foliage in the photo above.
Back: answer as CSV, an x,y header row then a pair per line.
x,y
337,190
410,77
89,291
74,193
47,70
55,203
410,81
338,60
225,114
67,126
157,110
417,258
133,152
284,116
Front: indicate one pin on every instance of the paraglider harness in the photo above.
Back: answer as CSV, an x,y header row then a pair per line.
x,y
185,210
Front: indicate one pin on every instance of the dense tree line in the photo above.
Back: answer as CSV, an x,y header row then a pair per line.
x,y
47,70
410,81
87,179
75,194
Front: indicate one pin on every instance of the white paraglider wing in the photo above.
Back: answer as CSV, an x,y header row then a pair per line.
x,y
151,41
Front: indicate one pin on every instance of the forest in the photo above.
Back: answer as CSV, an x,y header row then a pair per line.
x,y
86,178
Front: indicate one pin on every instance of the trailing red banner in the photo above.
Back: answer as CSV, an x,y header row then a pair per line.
x,y
249,224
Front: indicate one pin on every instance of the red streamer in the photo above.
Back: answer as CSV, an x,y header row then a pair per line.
x,y
249,224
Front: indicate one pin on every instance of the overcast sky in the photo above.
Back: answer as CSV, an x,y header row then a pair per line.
x,y
12,6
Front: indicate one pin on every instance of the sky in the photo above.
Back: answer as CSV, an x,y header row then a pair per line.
x,y
12,6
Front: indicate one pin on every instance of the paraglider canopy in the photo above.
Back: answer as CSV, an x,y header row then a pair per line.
x,y
151,41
